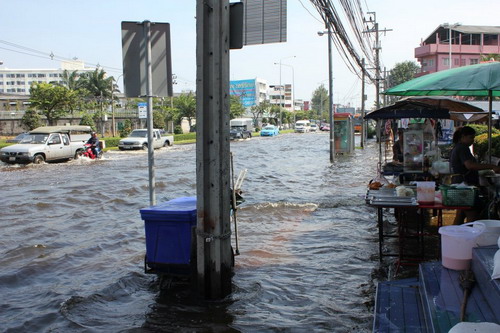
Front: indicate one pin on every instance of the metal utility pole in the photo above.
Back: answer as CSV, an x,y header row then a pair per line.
x,y
363,123
330,88
149,94
213,230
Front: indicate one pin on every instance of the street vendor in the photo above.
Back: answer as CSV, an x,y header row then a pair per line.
x,y
397,148
465,167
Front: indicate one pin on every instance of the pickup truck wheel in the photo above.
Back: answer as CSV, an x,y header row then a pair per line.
x,y
38,159
166,144
144,146
78,154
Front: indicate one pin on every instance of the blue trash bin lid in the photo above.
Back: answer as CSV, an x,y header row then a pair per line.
x,y
179,209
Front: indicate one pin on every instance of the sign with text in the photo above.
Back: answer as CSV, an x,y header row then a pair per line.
x,y
142,109
245,90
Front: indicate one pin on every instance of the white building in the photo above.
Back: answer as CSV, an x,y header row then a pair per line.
x,y
18,81
282,95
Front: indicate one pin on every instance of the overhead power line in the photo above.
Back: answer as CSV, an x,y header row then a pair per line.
x,y
46,55
341,38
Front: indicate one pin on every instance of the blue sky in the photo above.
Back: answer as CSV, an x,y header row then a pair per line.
x,y
90,31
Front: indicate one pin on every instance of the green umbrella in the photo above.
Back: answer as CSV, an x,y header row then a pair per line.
x,y
475,80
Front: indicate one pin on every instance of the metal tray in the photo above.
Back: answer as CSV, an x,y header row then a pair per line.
x,y
394,203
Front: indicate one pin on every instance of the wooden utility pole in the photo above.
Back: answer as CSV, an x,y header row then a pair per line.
x,y
213,228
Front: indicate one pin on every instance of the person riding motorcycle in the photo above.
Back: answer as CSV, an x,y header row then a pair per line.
x,y
94,142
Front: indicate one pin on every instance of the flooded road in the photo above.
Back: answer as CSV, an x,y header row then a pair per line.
x,y
72,243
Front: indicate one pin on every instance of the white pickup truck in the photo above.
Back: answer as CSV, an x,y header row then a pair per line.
x,y
138,139
47,144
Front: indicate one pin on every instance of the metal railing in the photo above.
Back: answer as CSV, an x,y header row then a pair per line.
x,y
18,114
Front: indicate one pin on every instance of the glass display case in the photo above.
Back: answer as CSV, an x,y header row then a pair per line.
x,y
413,150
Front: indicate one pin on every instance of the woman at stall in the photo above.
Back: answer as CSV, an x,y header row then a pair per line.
x,y
465,167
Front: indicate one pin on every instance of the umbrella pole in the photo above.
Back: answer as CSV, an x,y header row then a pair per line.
x,y
490,107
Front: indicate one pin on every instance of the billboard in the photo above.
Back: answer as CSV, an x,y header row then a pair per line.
x,y
245,90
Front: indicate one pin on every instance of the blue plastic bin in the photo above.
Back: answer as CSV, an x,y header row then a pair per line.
x,y
168,234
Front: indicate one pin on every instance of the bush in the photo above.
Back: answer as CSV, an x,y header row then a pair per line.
x,y
178,129
481,146
183,137
127,128
111,142
87,120
481,129
30,120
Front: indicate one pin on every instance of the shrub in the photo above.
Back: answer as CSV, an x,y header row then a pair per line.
x,y
88,121
178,129
182,137
481,129
111,142
127,128
481,145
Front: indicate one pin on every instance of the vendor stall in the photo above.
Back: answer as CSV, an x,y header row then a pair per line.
x,y
420,118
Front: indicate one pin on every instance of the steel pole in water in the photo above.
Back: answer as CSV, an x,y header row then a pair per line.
x,y
330,88
149,94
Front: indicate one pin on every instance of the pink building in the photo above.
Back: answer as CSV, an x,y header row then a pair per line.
x,y
468,44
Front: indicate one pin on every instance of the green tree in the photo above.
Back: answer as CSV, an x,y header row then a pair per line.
x,y
70,80
97,86
52,101
158,119
88,120
491,56
236,108
320,100
258,110
30,120
402,72
186,105
126,129
275,113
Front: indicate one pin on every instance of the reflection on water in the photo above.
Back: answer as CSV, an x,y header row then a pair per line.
x,y
73,242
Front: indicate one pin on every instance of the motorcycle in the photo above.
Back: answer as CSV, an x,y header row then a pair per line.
x,y
89,153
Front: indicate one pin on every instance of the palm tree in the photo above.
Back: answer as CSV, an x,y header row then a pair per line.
x,y
186,104
70,79
98,85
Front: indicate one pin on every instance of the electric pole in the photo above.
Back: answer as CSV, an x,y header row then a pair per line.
x,y
377,47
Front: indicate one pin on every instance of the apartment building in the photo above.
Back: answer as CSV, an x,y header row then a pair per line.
x,y
18,81
455,45
282,95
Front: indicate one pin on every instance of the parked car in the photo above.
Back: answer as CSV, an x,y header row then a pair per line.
x,y
269,130
241,128
18,138
325,127
313,128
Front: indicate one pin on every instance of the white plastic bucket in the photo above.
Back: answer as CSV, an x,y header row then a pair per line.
x,y
457,242
491,233
426,191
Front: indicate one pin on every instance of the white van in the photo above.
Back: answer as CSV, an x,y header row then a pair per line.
x,y
302,126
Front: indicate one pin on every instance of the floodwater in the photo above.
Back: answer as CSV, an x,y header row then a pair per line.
x,y
72,243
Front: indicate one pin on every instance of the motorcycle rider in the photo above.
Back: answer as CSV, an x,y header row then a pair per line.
x,y
94,142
